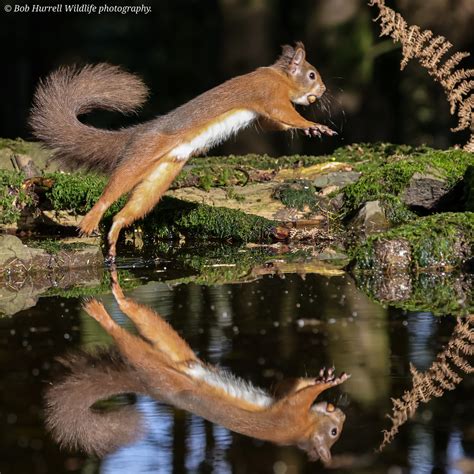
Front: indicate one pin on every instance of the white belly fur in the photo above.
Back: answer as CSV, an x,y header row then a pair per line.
x,y
215,134
230,384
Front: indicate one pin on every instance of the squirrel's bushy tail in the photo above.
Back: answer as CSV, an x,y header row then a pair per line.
x,y
71,91
69,410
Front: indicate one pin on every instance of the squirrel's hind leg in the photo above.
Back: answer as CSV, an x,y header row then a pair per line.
x,y
154,328
144,197
120,183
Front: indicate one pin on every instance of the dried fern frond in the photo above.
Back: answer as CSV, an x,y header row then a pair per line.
x,y
443,375
430,51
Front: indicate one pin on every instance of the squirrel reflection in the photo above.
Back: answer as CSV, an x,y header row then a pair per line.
x,y
162,365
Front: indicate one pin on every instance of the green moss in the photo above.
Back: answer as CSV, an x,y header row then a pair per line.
x,y
297,196
437,241
260,162
208,176
396,212
78,192
389,174
13,198
173,217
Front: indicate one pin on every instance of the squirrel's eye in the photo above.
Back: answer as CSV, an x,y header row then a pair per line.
x,y
334,432
312,75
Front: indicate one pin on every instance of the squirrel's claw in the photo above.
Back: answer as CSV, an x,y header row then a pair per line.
x,y
327,376
317,130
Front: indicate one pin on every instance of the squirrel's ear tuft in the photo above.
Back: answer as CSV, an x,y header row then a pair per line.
x,y
291,58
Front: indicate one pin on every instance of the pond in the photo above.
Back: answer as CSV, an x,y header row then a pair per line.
x,y
263,330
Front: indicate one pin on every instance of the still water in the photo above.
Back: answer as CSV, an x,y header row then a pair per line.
x,y
264,330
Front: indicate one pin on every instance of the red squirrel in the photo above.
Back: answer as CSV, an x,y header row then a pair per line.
x,y
144,159
160,363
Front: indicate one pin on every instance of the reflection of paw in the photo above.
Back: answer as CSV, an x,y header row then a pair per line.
x,y
110,261
317,130
114,277
327,376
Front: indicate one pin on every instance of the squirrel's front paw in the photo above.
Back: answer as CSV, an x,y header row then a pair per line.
x,y
317,130
327,376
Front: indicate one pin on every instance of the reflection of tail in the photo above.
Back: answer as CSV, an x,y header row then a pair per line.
x,y
71,417
443,375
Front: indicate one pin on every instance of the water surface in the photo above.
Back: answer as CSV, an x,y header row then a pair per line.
x,y
262,330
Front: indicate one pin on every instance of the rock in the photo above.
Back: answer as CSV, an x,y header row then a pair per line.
x,y
15,257
339,179
256,199
12,251
12,302
311,172
425,190
23,291
370,219
392,256
25,164
442,241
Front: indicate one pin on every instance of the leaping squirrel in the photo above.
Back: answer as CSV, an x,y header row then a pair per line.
x,y
159,363
145,159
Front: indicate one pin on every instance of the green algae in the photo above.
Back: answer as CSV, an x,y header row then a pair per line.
x,y
174,217
436,241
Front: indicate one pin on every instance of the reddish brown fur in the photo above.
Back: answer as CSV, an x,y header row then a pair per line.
x,y
132,154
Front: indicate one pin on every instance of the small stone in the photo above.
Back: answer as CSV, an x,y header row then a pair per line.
x,y
339,179
370,219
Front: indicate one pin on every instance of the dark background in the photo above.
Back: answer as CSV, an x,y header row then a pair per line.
x,y
184,47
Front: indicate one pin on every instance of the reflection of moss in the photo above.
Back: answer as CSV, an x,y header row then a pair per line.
x,y
55,246
13,197
126,279
298,196
173,217
389,174
440,240
438,293
218,265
